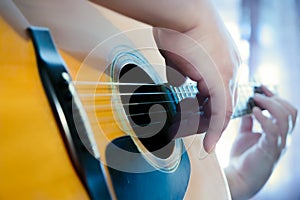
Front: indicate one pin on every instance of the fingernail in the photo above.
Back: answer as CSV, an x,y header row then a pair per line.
x,y
258,95
255,108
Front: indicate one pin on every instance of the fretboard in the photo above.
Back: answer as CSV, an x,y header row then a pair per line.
x,y
187,90
245,102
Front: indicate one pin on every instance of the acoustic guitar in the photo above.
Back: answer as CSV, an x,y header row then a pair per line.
x,y
70,130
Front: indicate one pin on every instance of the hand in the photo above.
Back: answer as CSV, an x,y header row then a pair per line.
x,y
254,155
207,55
194,41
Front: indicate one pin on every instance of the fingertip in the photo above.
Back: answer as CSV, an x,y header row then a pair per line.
x,y
296,117
246,123
258,96
266,91
257,112
210,141
208,147
256,109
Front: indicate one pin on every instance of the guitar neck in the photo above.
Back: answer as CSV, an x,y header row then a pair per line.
x,y
245,102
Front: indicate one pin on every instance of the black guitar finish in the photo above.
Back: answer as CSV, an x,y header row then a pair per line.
x,y
150,108
143,181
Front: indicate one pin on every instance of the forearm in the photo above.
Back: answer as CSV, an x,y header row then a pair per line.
x,y
179,15
248,174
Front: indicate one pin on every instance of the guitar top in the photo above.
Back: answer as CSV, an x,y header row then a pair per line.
x,y
95,128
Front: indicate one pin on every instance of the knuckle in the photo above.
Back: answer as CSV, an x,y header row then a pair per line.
x,y
295,115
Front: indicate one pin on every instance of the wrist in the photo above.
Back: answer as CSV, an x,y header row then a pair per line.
x,y
237,187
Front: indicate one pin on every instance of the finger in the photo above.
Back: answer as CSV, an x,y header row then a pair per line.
x,y
272,106
267,125
220,116
243,142
273,134
202,87
261,118
212,136
174,57
228,107
266,91
246,124
291,109
278,112
174,76
197,116
190,119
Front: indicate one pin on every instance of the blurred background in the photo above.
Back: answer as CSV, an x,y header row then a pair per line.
x,y
267,33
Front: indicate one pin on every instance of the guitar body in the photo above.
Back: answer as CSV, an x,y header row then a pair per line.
x,y
34,159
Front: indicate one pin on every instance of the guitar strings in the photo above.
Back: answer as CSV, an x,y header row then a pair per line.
x,y
116,101
101,107
138,93
108,118
120,94
110,83
112,119
124,120
90,108
78,83
133,104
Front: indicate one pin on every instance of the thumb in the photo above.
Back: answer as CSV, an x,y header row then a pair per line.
x,y
221,111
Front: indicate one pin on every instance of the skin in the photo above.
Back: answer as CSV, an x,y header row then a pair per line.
x,y
184,34
244,176
187,33
186,39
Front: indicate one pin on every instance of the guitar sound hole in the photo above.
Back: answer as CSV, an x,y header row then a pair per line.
x,y
150,109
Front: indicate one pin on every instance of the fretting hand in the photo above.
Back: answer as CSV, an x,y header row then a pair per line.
x,y
254,155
